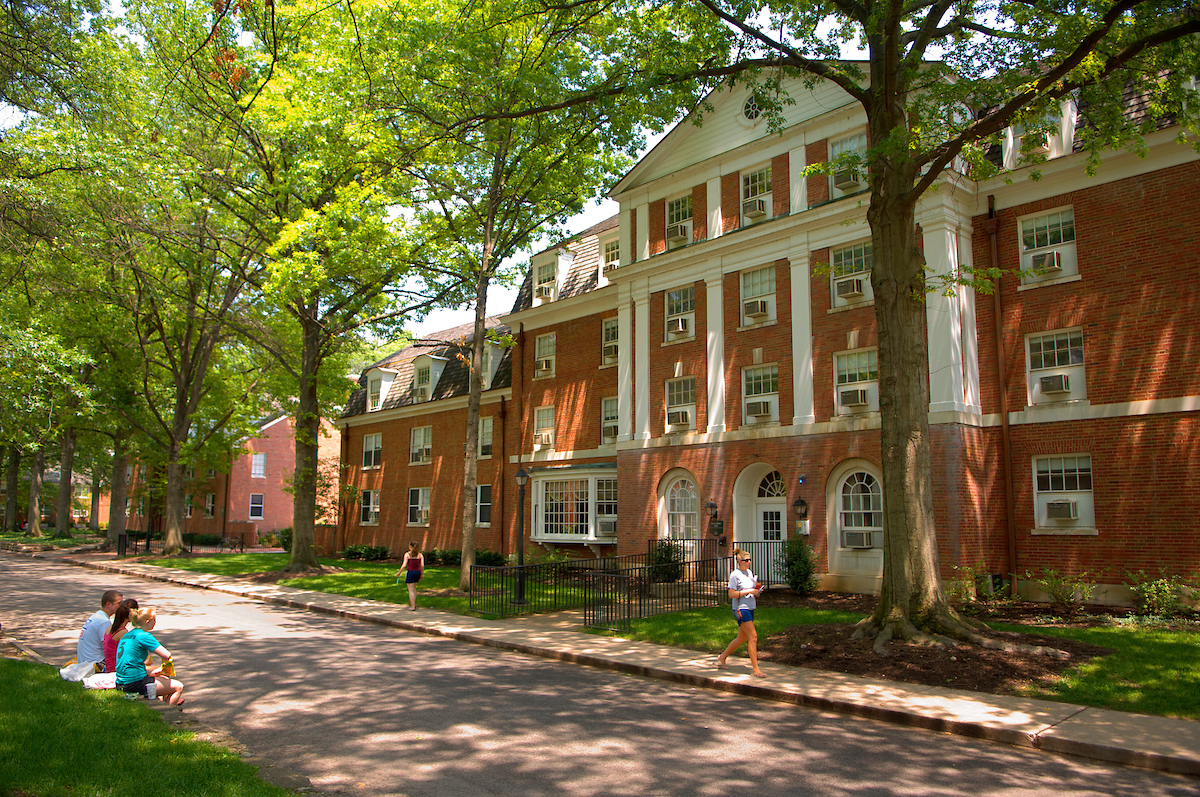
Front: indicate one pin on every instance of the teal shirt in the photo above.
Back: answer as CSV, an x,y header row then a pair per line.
x,y
132,651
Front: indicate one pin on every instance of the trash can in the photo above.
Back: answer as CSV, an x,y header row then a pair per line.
x,y
122,543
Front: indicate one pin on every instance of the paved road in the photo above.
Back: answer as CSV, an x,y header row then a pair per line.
x,y
373,711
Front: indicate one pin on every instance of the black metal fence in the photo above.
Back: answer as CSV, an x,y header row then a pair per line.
x,y
673,575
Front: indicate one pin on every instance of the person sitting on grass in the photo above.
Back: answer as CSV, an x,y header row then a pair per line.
x,y
120,626
133,650
90,648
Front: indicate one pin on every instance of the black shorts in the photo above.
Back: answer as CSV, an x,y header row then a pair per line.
x,y
412,576
137,687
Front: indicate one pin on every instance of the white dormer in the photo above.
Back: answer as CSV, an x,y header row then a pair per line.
x,y
549,271
492,352
427,370
1055,144
379,382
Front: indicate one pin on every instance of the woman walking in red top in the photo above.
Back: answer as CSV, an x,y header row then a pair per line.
x,y
413,567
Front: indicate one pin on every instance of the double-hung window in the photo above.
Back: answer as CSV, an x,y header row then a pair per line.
x,y
545,351
860,511
485,437
256,506
611,255
374,392
758,295
372,450
369,508
420,449
679,221
851,274
258,466
608,419
1056,371
681,312
760,386
681,404
210,505
546,273
421,380
857,381
1048,247
187,505
609,341
543,428
1063,487
850,170
756,195
418,506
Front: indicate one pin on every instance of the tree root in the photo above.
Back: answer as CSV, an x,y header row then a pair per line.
x,y
944,629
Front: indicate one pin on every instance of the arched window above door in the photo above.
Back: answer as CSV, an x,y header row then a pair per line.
x,y
683,509
772,486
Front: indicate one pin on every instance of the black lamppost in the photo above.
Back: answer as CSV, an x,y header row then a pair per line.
x,y
522,479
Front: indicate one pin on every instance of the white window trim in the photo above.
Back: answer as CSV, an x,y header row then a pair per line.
x,y
686,223
1067,251
770,398
768,298
766,196
422,506
868,294
478,504
668,407
415,446
1085,524
548,353
689,315
262,506
860,170
540,427
210,505
870,385
612,421
376,451
537,498
489,423
255,459
607,357
1076,374
371,506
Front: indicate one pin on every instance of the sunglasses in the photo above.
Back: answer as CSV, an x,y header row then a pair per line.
x,y
743,560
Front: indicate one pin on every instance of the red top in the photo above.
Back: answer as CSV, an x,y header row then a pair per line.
x,y
414,562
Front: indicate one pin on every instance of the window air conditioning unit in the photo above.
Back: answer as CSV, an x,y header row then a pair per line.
x,y
610,353
756,308
1056,383
421,394
846,179
1040,144
678,325
858,539
544,292
1062,510
609,430
1047,261
543,438
485,450
758,409
754,208
678,233
850,289
423,518
421,455
544,367
679,418
610,266
853,398
607,528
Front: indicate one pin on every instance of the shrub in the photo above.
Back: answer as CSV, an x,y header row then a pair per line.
x,y
1067,594
798,563
448,557
285,539
206,539
666,561
1156,597
489,558
366,553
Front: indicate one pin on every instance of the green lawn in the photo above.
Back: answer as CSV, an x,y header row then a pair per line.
x,y
58,739
373,580
80,537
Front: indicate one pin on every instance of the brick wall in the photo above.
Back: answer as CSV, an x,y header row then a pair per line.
x,y
700,212
818,184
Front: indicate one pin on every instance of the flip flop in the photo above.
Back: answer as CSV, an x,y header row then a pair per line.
x,y
722,665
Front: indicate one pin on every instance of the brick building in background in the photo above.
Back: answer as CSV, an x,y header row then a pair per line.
x,y
715,343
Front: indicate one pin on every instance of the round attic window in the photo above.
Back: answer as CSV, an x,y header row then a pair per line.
x,y
751,110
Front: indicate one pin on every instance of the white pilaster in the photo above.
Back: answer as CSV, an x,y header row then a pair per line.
x,y
626,236
970,329
641,380
715,351
802,335
799,185
944,314
625,361
714,207
643,232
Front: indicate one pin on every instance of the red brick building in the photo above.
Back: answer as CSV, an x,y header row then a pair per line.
x,y
716,343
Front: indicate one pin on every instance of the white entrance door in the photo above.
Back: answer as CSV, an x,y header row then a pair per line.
x,y
769,526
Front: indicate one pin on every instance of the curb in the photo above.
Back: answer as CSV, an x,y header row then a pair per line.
x,y
1043,739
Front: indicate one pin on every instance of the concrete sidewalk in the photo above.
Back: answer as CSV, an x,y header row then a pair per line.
x,y
1161,743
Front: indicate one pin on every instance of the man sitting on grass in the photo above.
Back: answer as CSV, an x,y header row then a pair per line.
x,y
90,649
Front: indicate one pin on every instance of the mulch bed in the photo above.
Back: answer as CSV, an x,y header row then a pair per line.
x,y
831,647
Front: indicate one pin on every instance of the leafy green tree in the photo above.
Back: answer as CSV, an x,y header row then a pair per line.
x,y
489,182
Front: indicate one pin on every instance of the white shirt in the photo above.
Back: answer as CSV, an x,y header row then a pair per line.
x,y
743,581
91,638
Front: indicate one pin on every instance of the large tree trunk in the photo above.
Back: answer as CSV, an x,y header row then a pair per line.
x,y
12,484
470,458
308,429
64,519
34,515
116,497
94,509
172,512
912,604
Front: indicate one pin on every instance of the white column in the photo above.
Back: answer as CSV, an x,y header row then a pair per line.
x,y
626,237
799,185
714,207
715,351
641,353
970,328
643,232
802,335
625,363
943,316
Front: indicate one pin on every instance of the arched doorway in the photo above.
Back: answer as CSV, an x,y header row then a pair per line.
x,y
760,505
